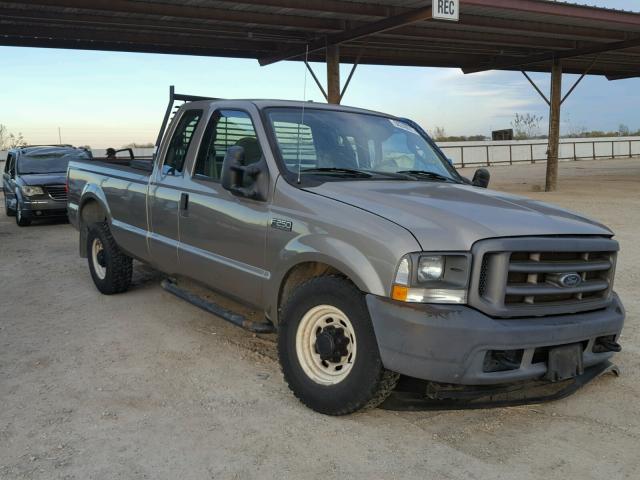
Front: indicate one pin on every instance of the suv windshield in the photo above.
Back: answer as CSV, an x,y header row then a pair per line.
x,y
48,163
329,142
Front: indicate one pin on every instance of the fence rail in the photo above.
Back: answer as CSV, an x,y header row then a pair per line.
x,y
500,153
510,153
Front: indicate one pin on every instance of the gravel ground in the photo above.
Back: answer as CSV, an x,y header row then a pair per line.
x,y
143,385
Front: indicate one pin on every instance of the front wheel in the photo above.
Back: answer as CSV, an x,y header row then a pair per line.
x,y
7,210
328,349
110,268
21,219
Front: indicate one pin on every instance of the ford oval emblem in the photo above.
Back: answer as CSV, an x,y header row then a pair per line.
x,y
570,279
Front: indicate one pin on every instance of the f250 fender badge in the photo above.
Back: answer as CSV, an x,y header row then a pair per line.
x,y
281,224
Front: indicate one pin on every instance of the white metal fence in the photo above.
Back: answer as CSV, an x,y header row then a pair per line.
x,y
531,151
502,152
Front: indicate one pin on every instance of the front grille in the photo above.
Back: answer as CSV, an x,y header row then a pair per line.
x,y
57,192
543,276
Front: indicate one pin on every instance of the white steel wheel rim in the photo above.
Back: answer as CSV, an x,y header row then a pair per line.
x,y
313,322
96,250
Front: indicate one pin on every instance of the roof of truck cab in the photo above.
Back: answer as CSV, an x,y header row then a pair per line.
x,y
273,103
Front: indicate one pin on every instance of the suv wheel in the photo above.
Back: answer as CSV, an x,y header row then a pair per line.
x,y
110,269
328,349
21,220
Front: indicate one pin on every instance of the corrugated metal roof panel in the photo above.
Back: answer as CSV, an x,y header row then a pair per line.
x,y
488,30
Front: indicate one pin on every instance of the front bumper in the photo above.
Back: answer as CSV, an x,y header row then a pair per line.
x,y
43,207
449,343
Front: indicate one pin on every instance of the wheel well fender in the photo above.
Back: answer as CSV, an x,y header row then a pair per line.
x,y
345,261
93,208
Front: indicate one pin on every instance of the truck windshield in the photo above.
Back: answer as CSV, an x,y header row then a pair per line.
x,y
329,142
49,163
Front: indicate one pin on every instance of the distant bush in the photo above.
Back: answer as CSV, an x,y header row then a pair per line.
x,y
139,145
440,135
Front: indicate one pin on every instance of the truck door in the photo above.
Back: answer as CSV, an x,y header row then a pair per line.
x,y
165,192
222,236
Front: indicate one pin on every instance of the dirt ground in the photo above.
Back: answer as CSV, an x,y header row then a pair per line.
x,y
143,385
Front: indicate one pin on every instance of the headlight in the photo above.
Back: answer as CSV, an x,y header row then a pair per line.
x,y
430,268
432,278
31,191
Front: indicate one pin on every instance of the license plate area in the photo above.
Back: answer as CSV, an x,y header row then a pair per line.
x,y
565,362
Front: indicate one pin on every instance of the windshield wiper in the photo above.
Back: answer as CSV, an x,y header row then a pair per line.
x,y
425,174
346,171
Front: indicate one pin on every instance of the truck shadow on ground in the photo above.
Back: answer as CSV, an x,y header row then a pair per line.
x,y
145,276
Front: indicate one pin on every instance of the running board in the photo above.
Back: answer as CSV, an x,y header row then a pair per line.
x,y
215,309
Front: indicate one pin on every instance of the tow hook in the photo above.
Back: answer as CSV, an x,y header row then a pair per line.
x,y
606,344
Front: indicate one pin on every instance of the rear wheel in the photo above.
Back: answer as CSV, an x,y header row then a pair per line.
x,y
110,268
328,349
21,219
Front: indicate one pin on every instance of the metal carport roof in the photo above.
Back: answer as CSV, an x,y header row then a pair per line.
x,y
496,34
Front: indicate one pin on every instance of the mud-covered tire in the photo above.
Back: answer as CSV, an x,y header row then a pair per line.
x,y
366,384
110,268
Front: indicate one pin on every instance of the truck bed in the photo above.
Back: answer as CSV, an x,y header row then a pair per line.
x,y
122,191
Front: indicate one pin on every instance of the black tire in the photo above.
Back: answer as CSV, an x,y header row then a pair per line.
x,y
7,210
21,220
367,384
116,267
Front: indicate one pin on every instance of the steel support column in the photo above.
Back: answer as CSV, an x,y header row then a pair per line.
x,y
554,127
333,74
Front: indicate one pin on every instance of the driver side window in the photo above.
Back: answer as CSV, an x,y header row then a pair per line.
x,y
9,165
226,128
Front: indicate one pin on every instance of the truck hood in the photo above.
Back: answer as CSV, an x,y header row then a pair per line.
x,y
44,178
444,216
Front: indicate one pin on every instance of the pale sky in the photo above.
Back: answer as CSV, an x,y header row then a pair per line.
x,y
112,98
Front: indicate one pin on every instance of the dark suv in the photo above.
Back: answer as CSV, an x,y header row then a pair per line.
x,y
34,181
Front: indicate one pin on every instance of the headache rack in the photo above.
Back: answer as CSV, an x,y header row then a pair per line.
x,y
173,98
540,276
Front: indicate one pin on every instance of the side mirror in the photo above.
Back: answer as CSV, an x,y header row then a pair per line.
x,y
481,178
450,160
249,181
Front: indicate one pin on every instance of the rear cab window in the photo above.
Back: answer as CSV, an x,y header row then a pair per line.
x,y
180,141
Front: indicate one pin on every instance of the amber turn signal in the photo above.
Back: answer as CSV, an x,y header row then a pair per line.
x,y
399,292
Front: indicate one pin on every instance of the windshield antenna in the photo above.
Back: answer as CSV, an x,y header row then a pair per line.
x,y
304,101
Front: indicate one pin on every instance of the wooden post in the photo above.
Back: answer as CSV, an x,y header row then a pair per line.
x,y
554,127
533,160
333,74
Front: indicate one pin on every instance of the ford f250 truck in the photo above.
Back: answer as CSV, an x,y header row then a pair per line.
x,y
368,254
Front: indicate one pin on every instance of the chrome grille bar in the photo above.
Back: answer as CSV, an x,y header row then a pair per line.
x,y
525,276
548,289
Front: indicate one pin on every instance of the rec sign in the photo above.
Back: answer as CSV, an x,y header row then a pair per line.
x,y
446,10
